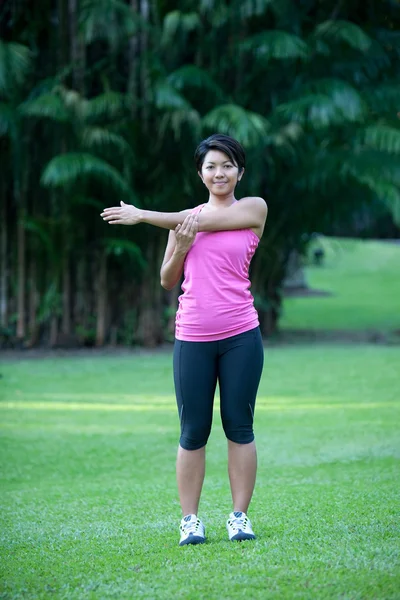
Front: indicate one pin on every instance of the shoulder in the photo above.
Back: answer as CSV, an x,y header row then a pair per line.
x,y
254,202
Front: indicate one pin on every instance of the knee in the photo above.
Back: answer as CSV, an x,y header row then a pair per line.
x,y
240,434
192,439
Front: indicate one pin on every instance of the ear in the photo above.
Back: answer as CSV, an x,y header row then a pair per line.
x,y
200,175
240,175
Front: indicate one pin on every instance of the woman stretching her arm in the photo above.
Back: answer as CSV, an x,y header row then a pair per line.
x,y
217,329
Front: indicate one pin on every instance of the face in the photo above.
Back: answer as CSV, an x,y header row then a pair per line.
x,y
219,173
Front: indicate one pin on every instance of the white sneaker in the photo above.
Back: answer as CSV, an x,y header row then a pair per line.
x,y
239,527
192,531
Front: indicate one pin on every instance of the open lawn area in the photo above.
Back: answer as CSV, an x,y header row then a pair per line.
x,y
362,281
89,507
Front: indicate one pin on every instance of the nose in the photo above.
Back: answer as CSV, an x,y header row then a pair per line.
x,y
219,173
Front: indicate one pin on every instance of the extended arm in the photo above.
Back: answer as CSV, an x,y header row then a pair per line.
x,y
248,213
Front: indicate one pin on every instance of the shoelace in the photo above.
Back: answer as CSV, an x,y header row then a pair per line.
x,y
191,526
239,523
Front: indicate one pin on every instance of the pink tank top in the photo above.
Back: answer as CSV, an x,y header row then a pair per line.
x,y
216,302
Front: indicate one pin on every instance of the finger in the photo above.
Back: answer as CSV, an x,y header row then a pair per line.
x,y
110,217
177,228
187,224
122,203
195,223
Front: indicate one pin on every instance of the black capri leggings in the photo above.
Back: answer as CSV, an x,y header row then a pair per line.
x,y
236,363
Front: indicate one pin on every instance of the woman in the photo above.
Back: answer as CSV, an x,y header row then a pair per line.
x,y
217,328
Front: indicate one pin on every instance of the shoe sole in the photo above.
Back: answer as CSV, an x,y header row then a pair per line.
x,y
193,540
242,537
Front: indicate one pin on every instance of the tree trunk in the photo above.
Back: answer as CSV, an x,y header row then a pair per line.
x,y
53,331
77,48
62,46
150,330
33,303
133,63
4,259
21,243
66,299
101,302
144,71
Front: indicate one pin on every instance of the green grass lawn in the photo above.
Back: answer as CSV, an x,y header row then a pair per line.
x,y
363,278
89,508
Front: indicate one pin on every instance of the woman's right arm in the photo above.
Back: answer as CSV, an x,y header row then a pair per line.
x,y
179,244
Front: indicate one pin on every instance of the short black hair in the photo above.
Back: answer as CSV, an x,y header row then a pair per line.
x,y
223,143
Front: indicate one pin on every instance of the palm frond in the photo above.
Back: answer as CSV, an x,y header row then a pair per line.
x,y
383,138
15,63
342,32
279,45
387,192
255,8
178,120
40,230
47,106
74,102
318,111
247,127
99,138
109,105
119,247
110,20
390,40
284,140
384,98
343,95
67,169
191,76
166,97
176,22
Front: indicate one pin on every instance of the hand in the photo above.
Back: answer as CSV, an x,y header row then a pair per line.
x,y
126,214
185,234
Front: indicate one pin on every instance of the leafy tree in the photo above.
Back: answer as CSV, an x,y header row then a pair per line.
x,y
103,101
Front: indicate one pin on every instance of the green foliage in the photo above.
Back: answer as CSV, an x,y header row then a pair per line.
x,y
7,120
278,45
71,167
110,20
15,64
125,248
249,128
342,32
118,102
48,105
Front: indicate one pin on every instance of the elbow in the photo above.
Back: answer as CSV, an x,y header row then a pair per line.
x,y
166,285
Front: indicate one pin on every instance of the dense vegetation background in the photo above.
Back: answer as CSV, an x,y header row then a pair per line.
x,y
103,100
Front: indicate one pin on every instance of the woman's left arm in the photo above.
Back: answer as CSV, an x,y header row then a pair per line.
x,y
248,213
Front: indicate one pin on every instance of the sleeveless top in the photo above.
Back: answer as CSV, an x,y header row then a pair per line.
x,y
216,302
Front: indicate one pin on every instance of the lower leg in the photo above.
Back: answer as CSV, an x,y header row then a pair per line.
x,y
190,470
242,467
